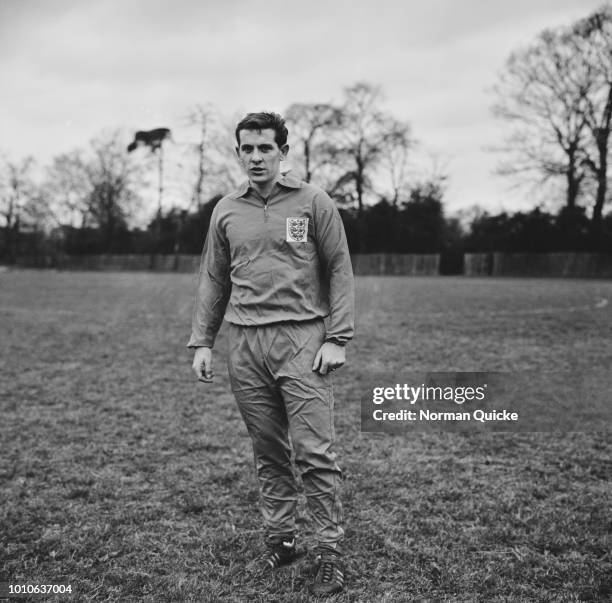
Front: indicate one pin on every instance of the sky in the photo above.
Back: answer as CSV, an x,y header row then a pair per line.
x,y
72,68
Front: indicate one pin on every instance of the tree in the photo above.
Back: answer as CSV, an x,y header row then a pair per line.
x,y
358,142
422,226
396,146
358,138
558,95
196,226
97,186
535,231
592,41
154,141
20,201
541,93
416,225
307,123
67,186
216,170
112,193
200,117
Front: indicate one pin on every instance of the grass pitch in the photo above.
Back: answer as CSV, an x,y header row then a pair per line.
x,y
122,476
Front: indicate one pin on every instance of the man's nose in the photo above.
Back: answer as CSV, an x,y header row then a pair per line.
x,y
256,156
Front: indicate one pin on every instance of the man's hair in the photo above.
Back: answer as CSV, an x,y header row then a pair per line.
x,y
264,121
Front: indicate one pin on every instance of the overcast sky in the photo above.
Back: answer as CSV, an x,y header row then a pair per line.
x,y
70,68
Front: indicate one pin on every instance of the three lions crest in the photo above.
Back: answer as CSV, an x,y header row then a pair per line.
x,y
297,230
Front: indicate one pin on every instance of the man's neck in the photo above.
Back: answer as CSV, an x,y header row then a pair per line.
x,y
265,190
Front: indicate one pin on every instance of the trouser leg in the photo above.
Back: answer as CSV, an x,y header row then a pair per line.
x,y
309,402
263,411
277,391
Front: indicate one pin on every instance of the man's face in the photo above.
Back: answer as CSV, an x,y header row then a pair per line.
x,y
260,155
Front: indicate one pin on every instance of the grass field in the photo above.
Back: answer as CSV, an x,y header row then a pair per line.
x,y
125,478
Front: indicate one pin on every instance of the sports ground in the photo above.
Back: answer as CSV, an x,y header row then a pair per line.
x,y
124,477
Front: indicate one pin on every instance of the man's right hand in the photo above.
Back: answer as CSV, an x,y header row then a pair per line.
x,y
202,365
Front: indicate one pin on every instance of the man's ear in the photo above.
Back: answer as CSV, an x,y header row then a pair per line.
x,y
284,150
237,152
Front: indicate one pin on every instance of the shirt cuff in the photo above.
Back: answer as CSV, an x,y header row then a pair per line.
x,y
340,342
200,342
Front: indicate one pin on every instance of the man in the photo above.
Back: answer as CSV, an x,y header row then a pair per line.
x,y
276,263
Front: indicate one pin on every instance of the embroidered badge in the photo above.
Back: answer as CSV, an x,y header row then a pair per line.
x,y
297,230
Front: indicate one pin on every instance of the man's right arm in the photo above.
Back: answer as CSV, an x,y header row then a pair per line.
x,y
214,288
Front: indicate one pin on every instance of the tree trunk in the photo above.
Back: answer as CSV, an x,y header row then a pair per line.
x,y
602,136
573,180
159,199
359,187
197,195
602,187
13,240
198,187
12,224
307,175
360,222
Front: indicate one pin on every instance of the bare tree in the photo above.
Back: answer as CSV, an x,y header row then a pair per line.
x,y
200,116
67,187
358,138
225,170
20,201
154,141
97,187
396,147
592,41
307,123
541,93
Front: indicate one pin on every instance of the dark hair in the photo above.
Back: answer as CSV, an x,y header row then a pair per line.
x,y
263,121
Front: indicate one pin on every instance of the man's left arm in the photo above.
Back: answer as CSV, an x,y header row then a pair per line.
x,y
336,264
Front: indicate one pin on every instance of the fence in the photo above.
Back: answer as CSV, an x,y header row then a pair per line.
x,y
396,263
589,265
478,264
562,264
372,264
135,262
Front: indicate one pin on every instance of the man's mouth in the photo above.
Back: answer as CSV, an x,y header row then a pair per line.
x,y
257,170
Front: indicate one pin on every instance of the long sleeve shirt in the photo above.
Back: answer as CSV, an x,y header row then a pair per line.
x,y
281,259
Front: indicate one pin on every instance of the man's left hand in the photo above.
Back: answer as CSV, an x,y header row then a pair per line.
x,y
329,357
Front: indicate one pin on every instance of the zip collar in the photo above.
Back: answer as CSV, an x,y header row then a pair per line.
x,y
285,180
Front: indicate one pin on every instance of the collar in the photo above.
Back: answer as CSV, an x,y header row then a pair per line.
x,y
285,180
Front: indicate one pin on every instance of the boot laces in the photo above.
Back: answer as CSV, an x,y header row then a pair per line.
x,y
329,570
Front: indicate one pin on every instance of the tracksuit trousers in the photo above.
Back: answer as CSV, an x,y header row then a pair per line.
x,y
286,405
